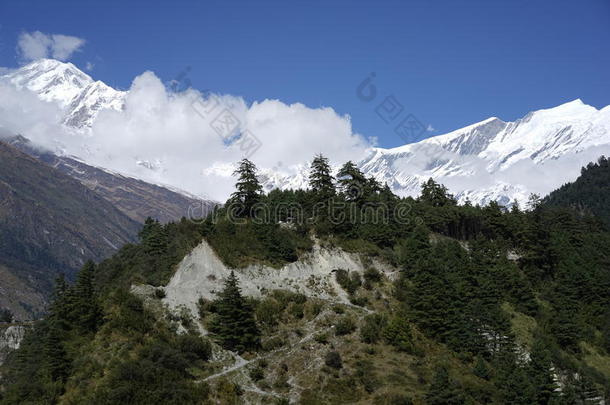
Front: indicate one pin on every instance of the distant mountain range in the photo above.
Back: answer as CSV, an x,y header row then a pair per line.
x,y
489,160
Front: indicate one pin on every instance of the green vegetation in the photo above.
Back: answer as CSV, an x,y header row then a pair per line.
x,y
6,316
484,305
587,195
234,322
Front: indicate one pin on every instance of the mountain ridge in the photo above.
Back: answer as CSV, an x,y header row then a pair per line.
x,y
489,160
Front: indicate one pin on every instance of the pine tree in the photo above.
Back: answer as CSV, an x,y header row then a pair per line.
x,y
436,194
61,303
480,369
540,374
352,181
234,324
249,189
57,362
85,307
321,180
443,391
154,237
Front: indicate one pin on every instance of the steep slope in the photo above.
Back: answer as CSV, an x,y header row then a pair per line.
x,y
588,194
135,198
49,224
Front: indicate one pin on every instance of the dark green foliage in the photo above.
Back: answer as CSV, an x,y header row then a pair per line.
x,y
352,181
249,190
234,324
350,282
57,362
370,331
257,373
321,180
443,391
345,326
159,293
589,194
333,359
397,332
242,243
539,370
6,316
480,369
468,276
150,262
435,194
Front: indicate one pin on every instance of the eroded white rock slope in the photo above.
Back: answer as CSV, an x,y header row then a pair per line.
x,y
202,274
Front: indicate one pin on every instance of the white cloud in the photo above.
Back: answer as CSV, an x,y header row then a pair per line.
x,y
177,145
430,128
89,66
37,45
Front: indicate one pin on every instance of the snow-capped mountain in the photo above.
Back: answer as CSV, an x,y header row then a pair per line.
x,y
81,97
497,160
492,159
489,160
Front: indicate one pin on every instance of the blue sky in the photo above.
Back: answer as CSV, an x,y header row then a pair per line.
x,y
449,63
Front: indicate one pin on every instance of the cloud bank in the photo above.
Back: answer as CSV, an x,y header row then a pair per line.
x,y
37,45
166,137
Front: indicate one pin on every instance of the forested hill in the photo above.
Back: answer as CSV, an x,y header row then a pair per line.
x,y
482,305
589,194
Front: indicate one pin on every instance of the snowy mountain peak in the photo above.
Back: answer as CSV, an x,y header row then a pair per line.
x,y
488,160
51,80
75,91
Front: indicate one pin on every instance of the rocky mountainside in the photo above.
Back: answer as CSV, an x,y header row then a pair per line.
x,y
135,198
49,224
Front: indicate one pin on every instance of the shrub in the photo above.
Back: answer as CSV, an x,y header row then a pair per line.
x,y
159,293
344,326
370,331
268,311
321,338
194,346
333,359
204,307
372,275
257,374
398,333
296,310
349,281
359,301
365,373
392,398
272,343
6,316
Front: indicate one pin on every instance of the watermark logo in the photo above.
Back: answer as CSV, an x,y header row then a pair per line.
x,y
218,113
390,111
336,212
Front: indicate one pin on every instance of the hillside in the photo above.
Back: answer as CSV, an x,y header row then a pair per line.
x,y
50,224
447,304
588,194
135,198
